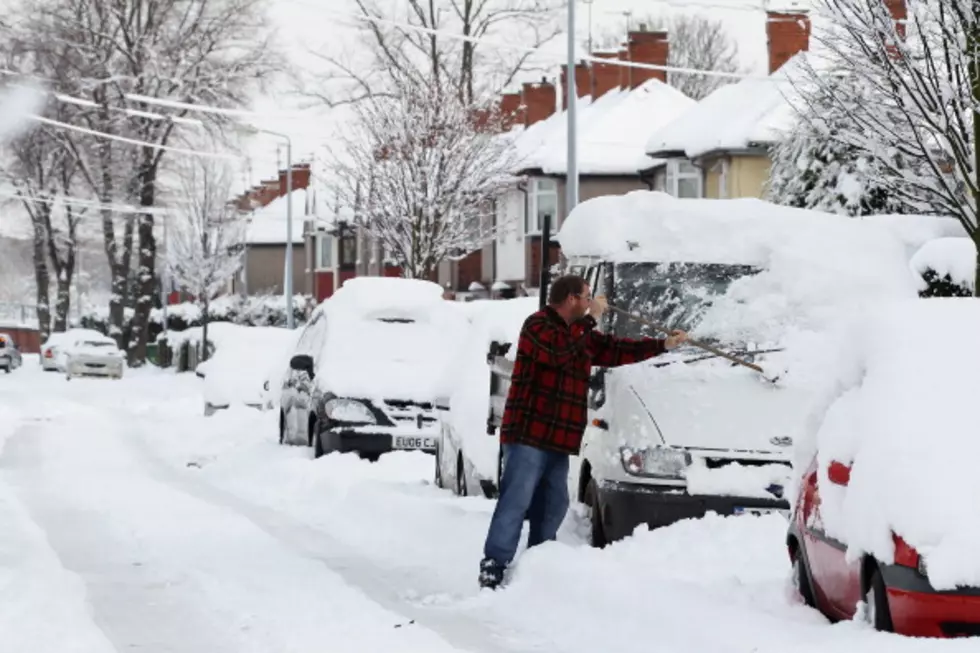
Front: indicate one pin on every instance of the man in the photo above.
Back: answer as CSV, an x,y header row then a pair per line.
x,y
545,415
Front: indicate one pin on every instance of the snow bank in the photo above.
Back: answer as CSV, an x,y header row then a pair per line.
x,y
956,257
814,267
901,411
389,338
490,320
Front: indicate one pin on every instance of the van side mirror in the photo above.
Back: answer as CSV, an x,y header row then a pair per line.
x,y
839,473
302,363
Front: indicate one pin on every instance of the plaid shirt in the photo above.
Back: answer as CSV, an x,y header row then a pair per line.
x,y
548,398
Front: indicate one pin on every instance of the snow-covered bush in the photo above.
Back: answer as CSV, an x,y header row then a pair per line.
x,y
946,266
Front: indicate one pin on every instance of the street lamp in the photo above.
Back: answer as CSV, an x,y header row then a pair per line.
x,y
287,274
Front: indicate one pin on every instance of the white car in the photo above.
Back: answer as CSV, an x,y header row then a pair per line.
x,y
246,364
90,356
51,351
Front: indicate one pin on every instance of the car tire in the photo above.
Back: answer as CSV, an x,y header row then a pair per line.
x,y
801,578
461,485
597,532
437,479
282,428
877,611
316,440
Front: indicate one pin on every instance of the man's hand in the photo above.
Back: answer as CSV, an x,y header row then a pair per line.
x,y
676,339
598,306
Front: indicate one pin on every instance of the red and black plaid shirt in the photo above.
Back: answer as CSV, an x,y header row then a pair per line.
x,y
548,398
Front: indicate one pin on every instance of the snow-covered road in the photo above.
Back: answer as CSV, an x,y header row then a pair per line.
x,y
131,522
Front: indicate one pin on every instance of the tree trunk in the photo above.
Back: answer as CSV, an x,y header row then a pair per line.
x,y
973,70
62,307
204,328
42,278
146,267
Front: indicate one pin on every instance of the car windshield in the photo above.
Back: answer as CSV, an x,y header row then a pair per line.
x,y
675,295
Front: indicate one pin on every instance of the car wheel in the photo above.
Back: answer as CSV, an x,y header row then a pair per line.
x,y
597,534
801,578
317,442
877,611
461,488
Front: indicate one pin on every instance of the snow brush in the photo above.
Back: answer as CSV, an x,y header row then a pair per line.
x,y
698,344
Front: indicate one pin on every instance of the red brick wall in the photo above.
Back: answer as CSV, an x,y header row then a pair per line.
x,y
28,340
787,34
605,77
583,82
511,110
392,271
322,285
539,101
301,178
649,48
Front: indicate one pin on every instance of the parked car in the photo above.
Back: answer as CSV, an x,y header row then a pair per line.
x,y
247,362
51,350
688,432
371,369
467,452
10,358
94,356
886,525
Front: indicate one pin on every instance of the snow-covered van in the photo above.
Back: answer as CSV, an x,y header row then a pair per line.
x,y
371,369
689,432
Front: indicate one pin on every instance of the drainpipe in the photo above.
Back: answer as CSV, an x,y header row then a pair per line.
x,y
522,188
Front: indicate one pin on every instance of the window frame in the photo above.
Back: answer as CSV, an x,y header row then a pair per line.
x,y
673,174
323,239
533,196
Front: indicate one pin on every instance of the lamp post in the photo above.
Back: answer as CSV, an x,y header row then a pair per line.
x,y
287,283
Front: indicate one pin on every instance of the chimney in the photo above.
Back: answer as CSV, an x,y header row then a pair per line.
x,y
788,34
539,101
649,48
899,13
509,109
301,178
583,82
605,76
625,72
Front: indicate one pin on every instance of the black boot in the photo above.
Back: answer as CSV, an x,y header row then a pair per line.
x,y
491,573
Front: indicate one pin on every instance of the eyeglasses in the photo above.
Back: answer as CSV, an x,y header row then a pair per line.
x,y
587,298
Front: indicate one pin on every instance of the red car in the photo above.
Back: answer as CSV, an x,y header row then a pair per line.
x,y
898,596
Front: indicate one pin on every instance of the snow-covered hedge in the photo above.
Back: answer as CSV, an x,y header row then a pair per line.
x,y
947,267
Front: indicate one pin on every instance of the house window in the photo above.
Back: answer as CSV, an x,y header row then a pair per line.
x,y
324,251
348,247
543,201
683,179
723,180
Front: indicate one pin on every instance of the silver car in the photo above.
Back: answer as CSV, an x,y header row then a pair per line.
x,y
94,357
10,358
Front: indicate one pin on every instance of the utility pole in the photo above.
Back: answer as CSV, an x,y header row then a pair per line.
x,y
589,3
571,179
165,281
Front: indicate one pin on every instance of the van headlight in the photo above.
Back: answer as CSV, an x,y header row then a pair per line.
x,y
348,410
658,462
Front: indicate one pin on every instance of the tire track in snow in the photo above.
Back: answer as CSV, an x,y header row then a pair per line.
x,y
381,585
168,570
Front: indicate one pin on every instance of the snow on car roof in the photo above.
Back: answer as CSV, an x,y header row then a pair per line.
x,y
814,266
900,410
384,296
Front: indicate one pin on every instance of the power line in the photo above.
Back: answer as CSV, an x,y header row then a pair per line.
x,y
88,204
132,141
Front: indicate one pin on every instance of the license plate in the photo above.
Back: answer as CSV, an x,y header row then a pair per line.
x,y
758,512
407,442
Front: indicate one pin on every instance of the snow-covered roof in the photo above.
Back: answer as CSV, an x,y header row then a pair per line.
x,y
267,224
612,131
736,116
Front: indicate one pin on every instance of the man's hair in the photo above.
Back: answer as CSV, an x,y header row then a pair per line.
x,y
564,287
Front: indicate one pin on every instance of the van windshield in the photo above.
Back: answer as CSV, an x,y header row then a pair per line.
x,y
673,294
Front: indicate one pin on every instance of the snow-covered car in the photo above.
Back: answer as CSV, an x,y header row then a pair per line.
x,y
246,364
94,356
10,358
371,369
887,515
467,455
688,432
51,350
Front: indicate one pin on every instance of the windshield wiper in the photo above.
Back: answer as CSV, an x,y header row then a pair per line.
x,y
745,354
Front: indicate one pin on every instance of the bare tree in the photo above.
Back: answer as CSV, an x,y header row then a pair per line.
x,y
466,67
696,42
421,170
199,51
205,245
923,79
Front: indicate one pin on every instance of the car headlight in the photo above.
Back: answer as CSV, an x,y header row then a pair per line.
x,y
348,410
658,462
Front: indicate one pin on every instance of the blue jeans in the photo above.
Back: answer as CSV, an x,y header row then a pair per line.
x,y
535,484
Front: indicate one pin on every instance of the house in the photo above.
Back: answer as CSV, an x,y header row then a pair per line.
x,y
720,147
618,107
263,267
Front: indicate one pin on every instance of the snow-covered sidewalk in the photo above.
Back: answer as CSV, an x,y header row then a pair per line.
x,y
180,532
